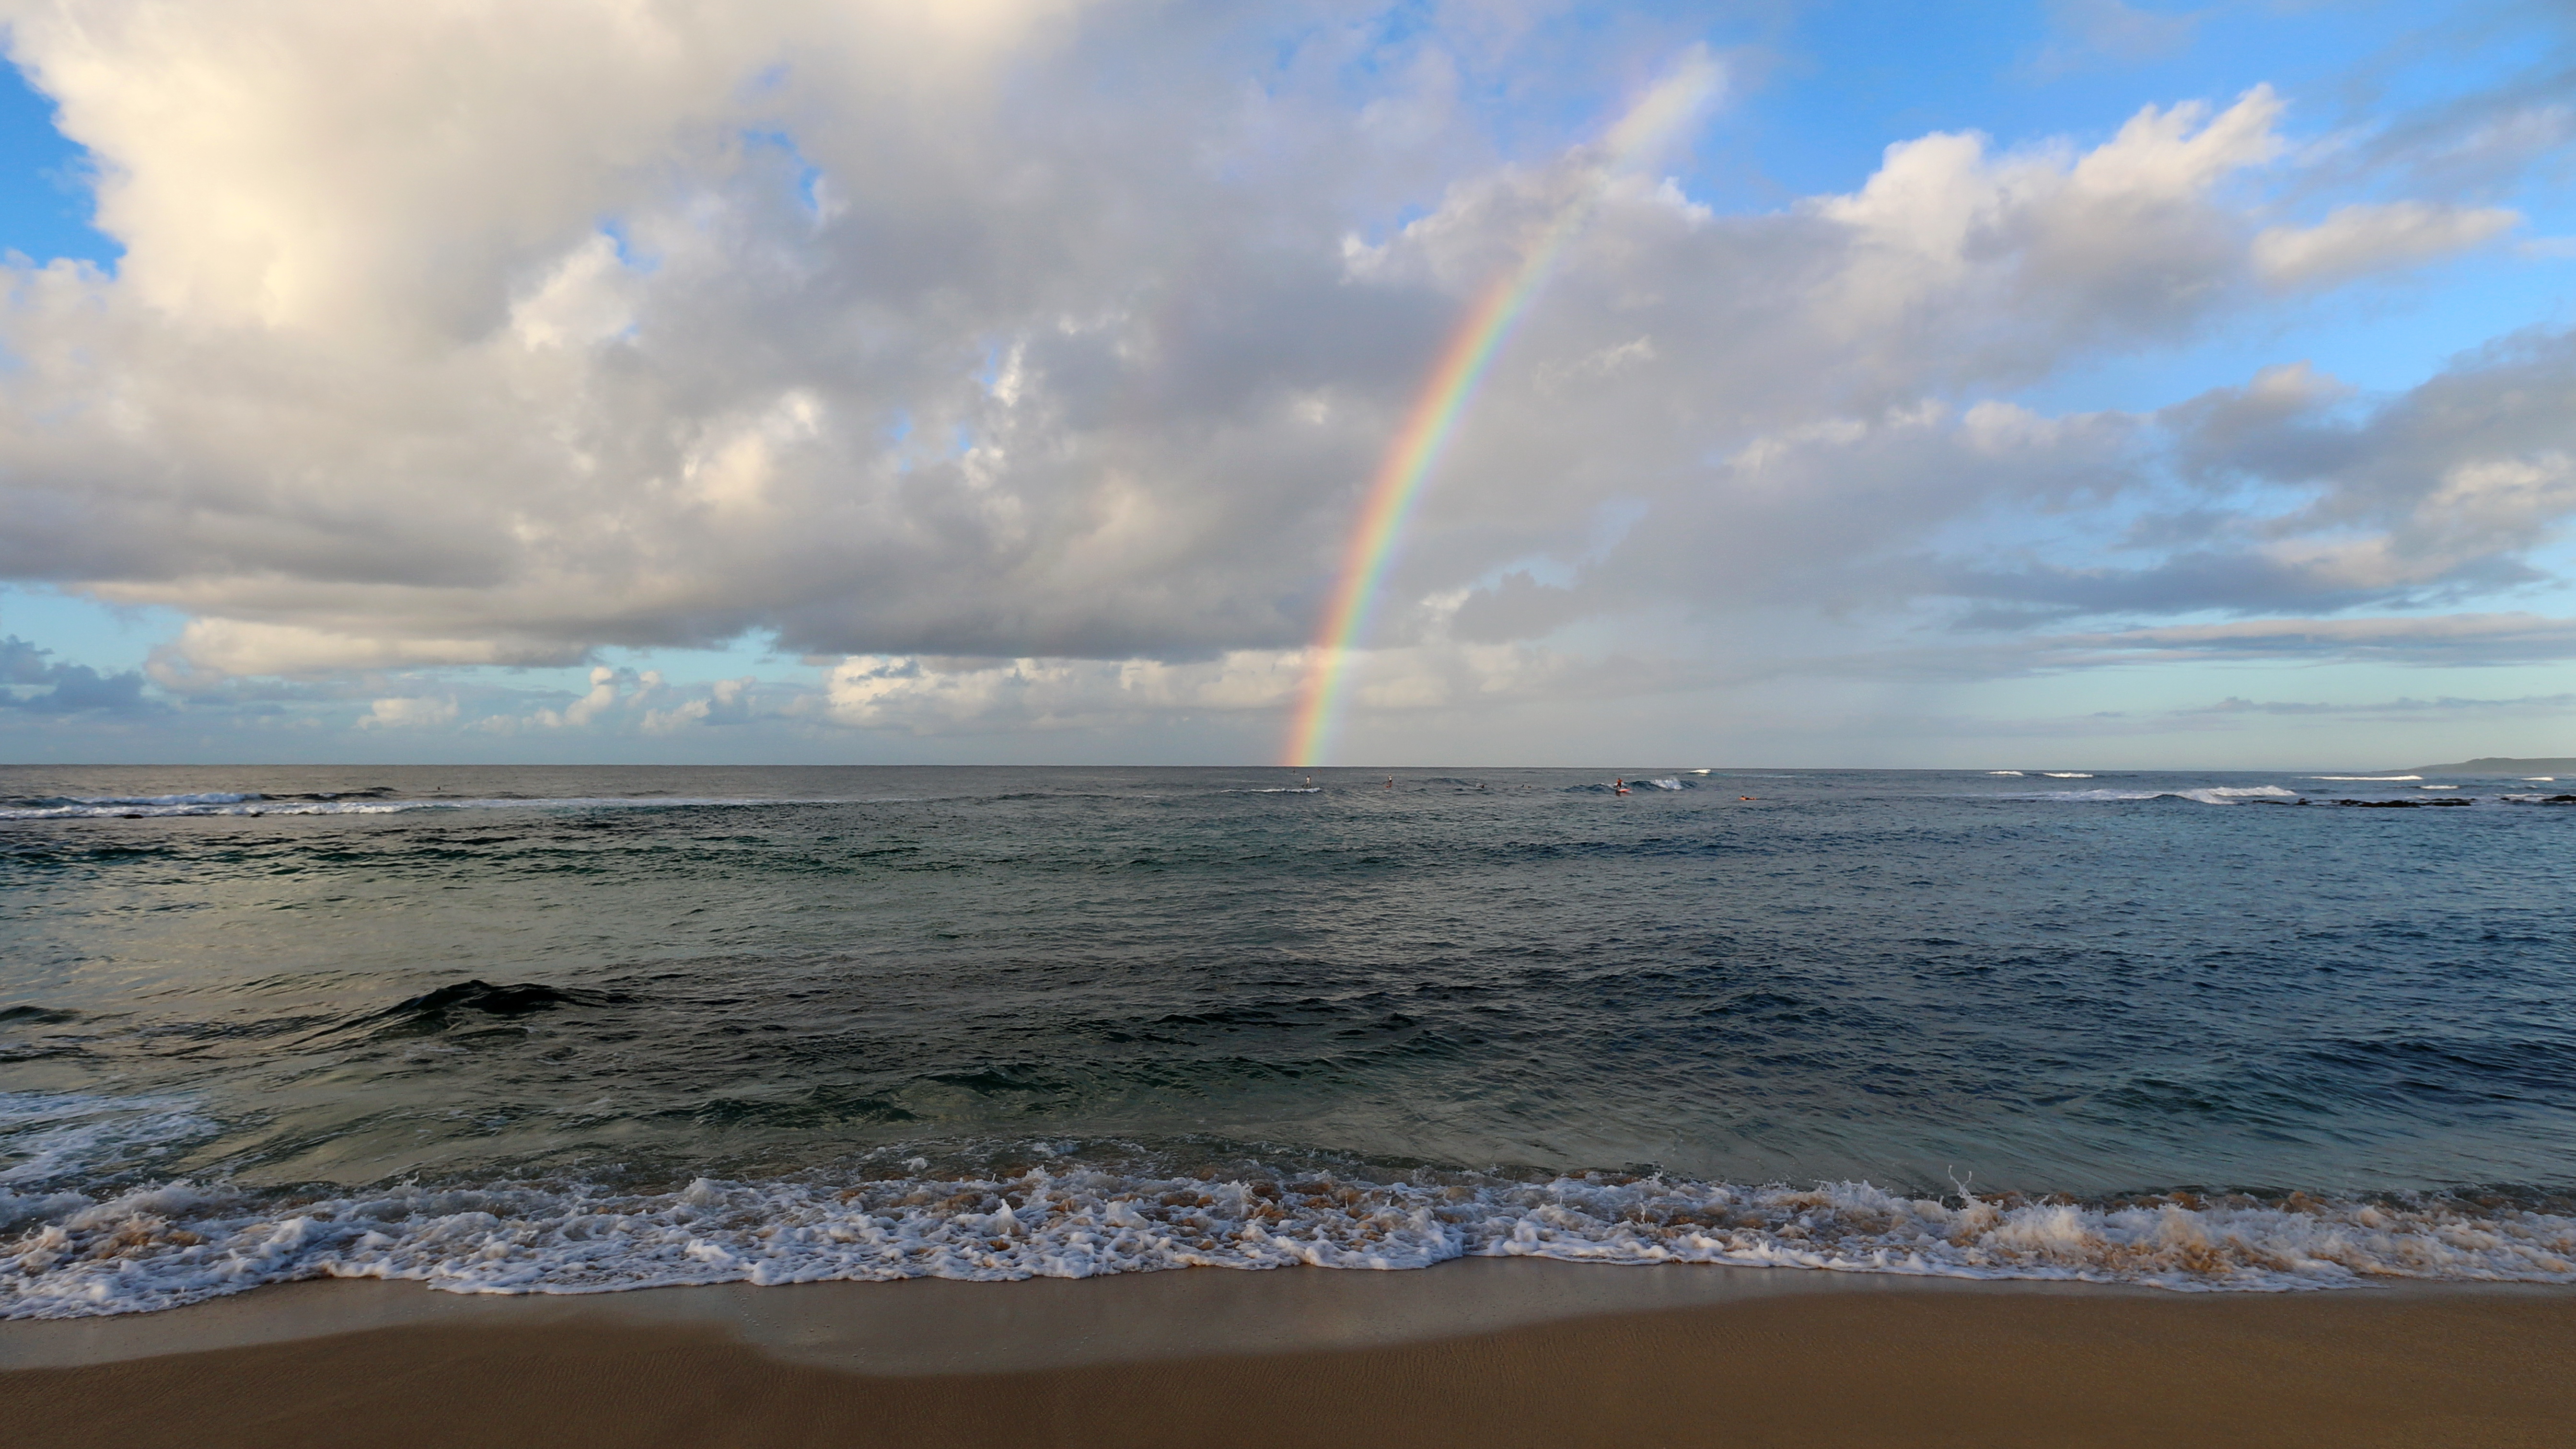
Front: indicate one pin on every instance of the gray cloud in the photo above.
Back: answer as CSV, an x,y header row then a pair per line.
x,y
30,681
2286,495
2439,494
2547,704
2029,648
2455,639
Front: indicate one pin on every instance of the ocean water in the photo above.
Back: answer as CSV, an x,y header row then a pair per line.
x,y
558,1030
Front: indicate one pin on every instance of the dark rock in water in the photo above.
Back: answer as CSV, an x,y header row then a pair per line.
x,y
2400,804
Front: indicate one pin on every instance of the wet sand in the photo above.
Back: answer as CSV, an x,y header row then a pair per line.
x,y
1488,1353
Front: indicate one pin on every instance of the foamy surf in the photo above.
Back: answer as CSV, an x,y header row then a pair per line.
x,y
2219,795
225,804
177,1243
49,1136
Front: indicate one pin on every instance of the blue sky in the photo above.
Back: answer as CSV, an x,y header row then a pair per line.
x,y
1001,386
45,189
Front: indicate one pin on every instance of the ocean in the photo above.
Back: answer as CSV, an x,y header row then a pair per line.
x,y
520,1030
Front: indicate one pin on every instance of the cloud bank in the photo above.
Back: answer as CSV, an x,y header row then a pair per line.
x,y
1023,361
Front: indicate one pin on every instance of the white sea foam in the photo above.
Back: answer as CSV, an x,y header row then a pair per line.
x,y
51,1136
1667,783
2065,775
209,797
52,1132
159,806
2218,795
177,1243
2542,779
2016,774
2370,779
2437,787
250,805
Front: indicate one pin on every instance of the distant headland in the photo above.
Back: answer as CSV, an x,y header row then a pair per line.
x,y
2497,765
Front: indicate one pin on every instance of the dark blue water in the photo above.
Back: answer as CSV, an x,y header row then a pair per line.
x,y
252,991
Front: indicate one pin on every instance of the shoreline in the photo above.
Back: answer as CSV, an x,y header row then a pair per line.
x,y
1488,1351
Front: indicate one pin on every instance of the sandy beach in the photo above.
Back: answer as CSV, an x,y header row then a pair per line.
x,y
1490,1353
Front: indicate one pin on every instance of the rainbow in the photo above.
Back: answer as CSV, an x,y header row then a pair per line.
x,y
1416,449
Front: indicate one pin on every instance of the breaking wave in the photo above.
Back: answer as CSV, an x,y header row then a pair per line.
x,y
2220,795
224,803
178,1243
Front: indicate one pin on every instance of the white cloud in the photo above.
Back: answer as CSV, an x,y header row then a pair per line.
x,y
584,300
932,696
2364,237
410,712
469,336
968,408
727,701
603,697
237,647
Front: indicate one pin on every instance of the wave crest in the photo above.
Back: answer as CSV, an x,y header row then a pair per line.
x,y
2218,795
176,1243
155,807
